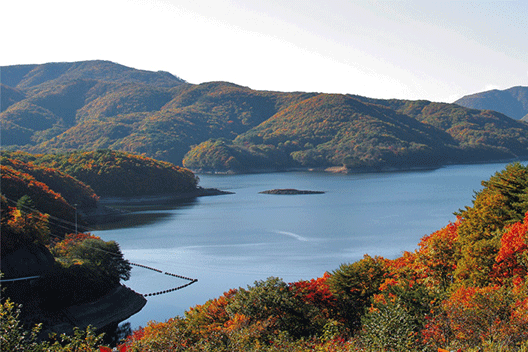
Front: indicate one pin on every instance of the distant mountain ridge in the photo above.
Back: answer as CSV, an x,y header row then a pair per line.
x,y
366,134
512,102
26,77
221,126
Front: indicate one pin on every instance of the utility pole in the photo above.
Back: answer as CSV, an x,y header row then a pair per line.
x,y
75,205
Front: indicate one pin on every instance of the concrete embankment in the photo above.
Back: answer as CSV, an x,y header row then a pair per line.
x,y
116,306
25,266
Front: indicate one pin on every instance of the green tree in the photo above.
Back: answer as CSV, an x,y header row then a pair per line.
x,y
273,302
15,337
502,201
25,204
105,258
389,327
354,284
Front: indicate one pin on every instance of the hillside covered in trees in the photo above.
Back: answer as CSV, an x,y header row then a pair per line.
x,y
221,126
48,190
66,186
44,201
75,269
366,134
116,174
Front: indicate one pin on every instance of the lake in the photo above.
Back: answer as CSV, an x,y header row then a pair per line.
x,y
229,241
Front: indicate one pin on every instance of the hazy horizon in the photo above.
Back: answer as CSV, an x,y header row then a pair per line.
x,y
381,49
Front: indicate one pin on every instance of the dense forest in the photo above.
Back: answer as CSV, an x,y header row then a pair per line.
x,y
365,134
53,193
464,288
116,174
62,187
43,202
48,190
220,126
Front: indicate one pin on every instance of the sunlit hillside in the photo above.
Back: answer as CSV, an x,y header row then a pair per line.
x,y
221,126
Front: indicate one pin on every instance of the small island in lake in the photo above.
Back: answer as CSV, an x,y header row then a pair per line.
x,y
290,191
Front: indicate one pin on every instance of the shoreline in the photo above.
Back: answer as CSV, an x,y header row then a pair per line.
x,y
107,311
111,209
155,199
345,170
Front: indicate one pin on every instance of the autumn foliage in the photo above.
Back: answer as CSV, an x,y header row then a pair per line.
x,y
512,259
118,174
464,288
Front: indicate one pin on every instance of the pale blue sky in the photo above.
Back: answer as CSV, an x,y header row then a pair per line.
x,y
434,50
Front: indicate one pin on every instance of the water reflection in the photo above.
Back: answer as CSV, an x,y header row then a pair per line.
x,y
135,215
116,333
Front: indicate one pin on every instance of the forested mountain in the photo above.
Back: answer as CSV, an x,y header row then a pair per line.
x,y
512,102
9,96
366,134
222,126
57,185
17,183
37,77
109,173
71,189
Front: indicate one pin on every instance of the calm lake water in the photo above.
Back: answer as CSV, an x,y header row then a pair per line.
x,y
229,241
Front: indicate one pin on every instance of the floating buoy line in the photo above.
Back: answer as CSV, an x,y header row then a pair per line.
x,y
191,281
61,222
